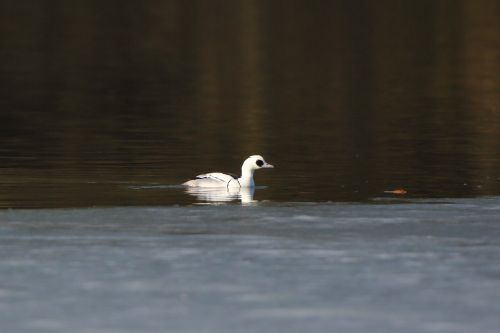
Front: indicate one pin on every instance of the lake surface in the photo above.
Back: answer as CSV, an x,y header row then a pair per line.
x,y
421,266
107,106
347,99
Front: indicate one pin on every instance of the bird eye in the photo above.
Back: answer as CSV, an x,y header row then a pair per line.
x,y
260,163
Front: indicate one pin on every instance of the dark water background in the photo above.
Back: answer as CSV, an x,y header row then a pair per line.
x,y
346,98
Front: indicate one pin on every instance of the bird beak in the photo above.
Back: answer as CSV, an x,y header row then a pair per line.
x,y
267,165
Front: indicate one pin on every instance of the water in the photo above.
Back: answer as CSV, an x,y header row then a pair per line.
x,y
421,266
347,99
106,106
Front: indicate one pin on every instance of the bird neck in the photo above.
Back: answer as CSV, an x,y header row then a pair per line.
x,y
246,172
246,181
246,178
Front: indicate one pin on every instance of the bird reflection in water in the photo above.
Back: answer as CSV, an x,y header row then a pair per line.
x,y
221,195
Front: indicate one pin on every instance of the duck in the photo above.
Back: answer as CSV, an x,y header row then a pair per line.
x,y
219,179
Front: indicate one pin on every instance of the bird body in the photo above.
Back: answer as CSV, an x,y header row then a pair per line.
x,y
219,179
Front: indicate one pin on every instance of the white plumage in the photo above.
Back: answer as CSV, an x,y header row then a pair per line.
x,y
219,179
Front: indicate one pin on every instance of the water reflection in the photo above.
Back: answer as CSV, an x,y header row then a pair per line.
x,y
220,195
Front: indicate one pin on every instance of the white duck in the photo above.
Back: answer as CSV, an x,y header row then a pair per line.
x,y
219,179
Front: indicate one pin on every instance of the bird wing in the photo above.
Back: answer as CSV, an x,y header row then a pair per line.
x,y
216,177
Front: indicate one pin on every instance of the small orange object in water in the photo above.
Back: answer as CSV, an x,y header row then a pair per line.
x,y
397,191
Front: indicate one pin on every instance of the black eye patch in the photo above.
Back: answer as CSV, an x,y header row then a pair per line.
x,y
260,163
